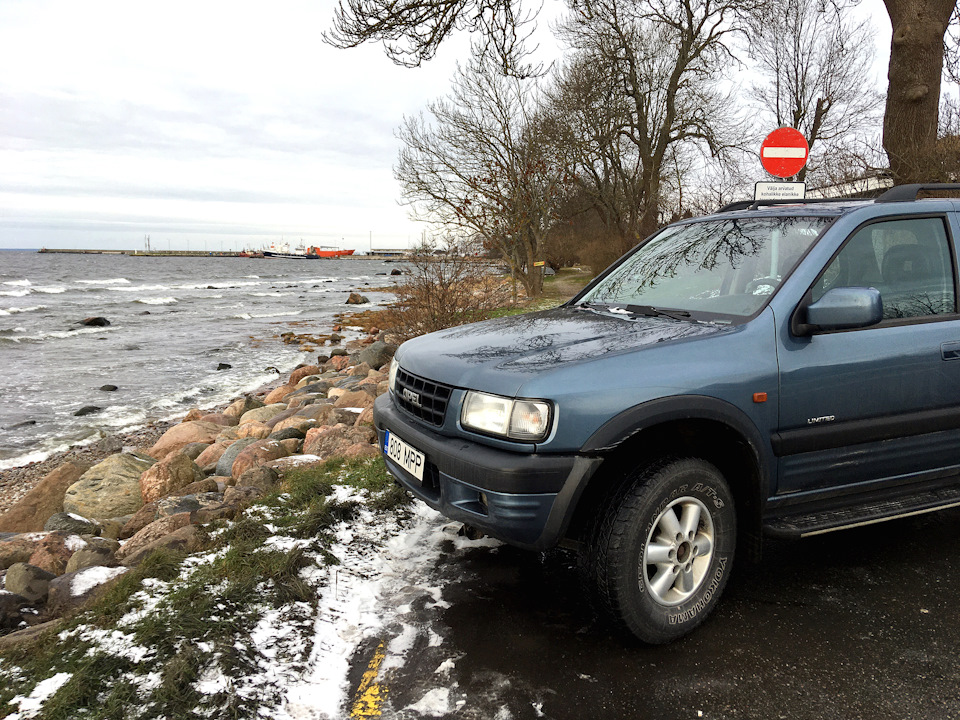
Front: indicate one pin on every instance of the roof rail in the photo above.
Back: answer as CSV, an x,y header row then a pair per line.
x,y
906,193
754,204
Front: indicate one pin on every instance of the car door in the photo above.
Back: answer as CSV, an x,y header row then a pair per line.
x,y
879,404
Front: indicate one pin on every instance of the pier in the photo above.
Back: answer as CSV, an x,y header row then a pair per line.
x,y
146,253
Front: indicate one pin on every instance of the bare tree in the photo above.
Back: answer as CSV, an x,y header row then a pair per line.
x,y
412,30
665,59
816,66
480,166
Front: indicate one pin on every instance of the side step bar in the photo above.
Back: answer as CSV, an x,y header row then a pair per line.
x,y
817,523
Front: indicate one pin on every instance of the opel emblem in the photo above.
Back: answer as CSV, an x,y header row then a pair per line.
x,y
411,397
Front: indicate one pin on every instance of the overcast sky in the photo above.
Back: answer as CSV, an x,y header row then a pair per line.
x,y
210,122
205,125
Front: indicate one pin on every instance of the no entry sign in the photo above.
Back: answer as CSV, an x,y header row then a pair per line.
x,y
784,152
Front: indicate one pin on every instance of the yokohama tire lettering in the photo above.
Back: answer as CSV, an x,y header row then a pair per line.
x,y
705,600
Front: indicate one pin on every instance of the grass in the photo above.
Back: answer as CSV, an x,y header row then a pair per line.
x,y
143,648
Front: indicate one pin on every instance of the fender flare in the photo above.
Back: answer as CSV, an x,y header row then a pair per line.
x,y
634,420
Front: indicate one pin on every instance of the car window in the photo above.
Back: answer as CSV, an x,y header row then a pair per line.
x,y
907,260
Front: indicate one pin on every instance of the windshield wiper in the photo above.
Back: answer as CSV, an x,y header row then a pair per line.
x,y
651,311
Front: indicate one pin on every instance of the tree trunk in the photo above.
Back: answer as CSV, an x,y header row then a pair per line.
x,y
913,93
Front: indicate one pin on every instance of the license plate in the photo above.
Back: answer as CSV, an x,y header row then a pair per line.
x,y
406,456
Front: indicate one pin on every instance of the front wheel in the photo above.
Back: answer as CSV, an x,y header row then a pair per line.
x,y
665,550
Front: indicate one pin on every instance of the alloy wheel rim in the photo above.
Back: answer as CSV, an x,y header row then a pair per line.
x,y
678,552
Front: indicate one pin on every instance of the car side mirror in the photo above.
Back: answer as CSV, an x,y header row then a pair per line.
x,y
843,308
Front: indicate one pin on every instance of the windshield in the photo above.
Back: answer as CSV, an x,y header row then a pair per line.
x,y
718,267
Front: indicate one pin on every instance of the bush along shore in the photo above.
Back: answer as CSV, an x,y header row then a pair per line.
x,y
173,554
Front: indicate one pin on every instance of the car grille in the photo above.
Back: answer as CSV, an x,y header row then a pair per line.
x,y
422,398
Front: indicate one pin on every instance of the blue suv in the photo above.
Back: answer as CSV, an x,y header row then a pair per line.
x,y
779,369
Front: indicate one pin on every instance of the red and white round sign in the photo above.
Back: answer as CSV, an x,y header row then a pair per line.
x,y
784,152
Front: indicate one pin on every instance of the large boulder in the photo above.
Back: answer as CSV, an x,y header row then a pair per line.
x,y
175,471
10,606
31,512
319,414
213,453
73,589
301,372
256,430
143,517
152,532
355,399
91,557
333,440
262,414
109,489
68,523
183,434
317,387
244,404
225,463
54,551
258,453
188,503
27,581
18,548
278,394
357,299
186,539
262,477
221,419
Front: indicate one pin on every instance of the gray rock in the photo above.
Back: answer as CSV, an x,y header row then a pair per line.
x,y
357,299
337,352
259,477
240,495
187,503
109,489
10,606
110,444
28,581
87,410
225,463
73,589
193,450
288,433
378,354
95,322
90,557
73,524
317,386
109,388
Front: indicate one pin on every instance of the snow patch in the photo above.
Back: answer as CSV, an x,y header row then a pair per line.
x,y
85,580
31,704
435,703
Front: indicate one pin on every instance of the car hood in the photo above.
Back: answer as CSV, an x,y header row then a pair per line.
x,y
500,355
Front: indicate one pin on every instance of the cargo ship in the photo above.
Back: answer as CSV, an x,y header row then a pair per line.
x,y
304,253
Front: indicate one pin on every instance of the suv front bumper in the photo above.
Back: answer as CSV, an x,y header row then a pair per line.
x,y
523,499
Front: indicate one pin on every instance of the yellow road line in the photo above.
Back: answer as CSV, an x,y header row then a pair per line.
x,y
370,694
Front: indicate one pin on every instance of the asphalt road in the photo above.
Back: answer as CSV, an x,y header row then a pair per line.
x,y
856,624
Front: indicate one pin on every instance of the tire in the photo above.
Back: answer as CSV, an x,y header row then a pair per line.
x,y
662,555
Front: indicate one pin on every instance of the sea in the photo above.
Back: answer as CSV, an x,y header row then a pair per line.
x,y
173,322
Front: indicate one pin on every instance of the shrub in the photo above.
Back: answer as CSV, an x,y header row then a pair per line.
x,y
443,290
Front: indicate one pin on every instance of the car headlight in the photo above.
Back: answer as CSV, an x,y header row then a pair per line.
x,y
514,419
394,366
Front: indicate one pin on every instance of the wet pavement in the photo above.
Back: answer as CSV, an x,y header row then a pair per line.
x,y
856,624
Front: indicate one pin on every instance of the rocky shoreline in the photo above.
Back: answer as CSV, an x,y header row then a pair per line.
x,y
71,524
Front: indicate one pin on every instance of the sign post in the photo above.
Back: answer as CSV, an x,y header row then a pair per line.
x,y
783,154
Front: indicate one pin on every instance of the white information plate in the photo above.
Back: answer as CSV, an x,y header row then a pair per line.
x,y
406,456
779,191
